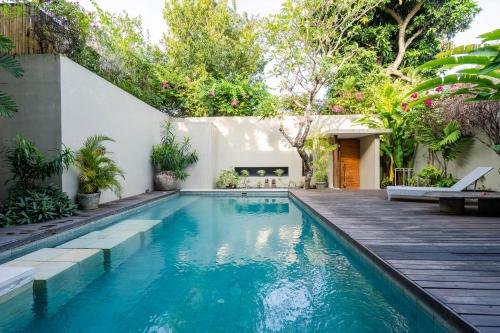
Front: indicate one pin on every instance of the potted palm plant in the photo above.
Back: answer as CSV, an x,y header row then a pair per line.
x,y
170,160
98,172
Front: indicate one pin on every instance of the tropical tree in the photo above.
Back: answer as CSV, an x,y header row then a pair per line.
x,y
310,41
406,33
12,66
215,60
398,147
475,65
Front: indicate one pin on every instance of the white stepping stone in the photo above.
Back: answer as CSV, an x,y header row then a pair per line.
x,y
60,273
13,280
118,241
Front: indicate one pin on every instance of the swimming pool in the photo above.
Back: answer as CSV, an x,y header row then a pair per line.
x,y
229,264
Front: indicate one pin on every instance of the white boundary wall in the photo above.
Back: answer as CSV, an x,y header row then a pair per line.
x,y
91,105
477,155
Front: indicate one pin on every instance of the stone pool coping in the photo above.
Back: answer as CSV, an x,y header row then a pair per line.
x,y
21,239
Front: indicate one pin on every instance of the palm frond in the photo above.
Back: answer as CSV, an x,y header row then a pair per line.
x,y
7,105
454,79
455,60
11,65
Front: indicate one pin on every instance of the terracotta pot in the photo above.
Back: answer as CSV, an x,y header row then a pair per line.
x,y
320,185
165,181
88,201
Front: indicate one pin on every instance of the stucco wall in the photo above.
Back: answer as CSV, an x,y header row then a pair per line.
x,y
226,142
38,99
91,105
369,173
478,154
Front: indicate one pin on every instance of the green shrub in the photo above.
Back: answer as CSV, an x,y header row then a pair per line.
x,y
433,177
39,204
385,182
97,170
30,199
227,179
170,155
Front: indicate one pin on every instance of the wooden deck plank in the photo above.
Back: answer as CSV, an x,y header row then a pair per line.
x,y
456,259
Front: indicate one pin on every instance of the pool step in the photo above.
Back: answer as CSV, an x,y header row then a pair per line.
x,y
118,241
14,280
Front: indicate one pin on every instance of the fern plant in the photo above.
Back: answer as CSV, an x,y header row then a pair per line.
x,y
450,142
12,66
98,171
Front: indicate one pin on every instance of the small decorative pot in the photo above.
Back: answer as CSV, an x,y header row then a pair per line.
x,y
88,201
266,183
165,181
320,185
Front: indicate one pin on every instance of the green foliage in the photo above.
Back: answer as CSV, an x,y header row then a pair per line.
x,y
34,205
449,142
261,172
244,174
436,21
29,167
113,46
431,176
483,62
12,66
352,91
209,36
30,199
215,63
319,147
279,172
398,147
227,178
170,155
98,171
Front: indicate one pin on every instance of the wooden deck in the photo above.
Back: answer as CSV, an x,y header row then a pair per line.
x,y
455,259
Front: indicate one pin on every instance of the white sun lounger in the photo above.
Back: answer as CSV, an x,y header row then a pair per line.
x,y
415,191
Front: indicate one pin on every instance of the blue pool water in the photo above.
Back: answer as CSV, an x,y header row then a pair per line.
x,y
227,264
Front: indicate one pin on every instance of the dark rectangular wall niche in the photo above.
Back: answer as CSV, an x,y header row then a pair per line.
x,y
269,171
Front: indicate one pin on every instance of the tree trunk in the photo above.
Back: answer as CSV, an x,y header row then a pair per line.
x,y
308,168
298,143
403,42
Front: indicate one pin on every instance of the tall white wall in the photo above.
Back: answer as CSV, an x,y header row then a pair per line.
x,y
91,105
227,142
477,155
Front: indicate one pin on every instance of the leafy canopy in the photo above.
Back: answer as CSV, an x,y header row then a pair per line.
x,y
209,36
215,60
434,22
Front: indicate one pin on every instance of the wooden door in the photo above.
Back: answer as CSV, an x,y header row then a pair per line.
x,y
349,163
